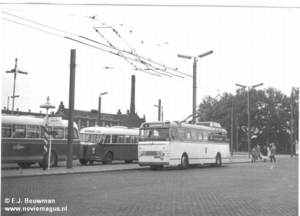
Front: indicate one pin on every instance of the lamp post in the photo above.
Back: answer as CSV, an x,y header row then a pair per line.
x,y
46,151
195,77
99,107
237,132
249,114
15,71
160,114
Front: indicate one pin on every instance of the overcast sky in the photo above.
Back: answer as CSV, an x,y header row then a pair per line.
x,y
251,45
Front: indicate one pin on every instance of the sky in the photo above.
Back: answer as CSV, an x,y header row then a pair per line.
x,y
252,42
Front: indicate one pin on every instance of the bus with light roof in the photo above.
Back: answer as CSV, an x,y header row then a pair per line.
x,y
166,144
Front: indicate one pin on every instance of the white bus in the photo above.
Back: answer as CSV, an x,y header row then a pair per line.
x,y
106,144
22,141
181,144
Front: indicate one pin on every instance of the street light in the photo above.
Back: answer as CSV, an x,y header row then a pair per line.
x,y
99,107
15,71
249,116
194,77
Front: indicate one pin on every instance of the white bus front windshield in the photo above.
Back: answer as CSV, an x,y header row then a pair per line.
x,y
92,138
153,134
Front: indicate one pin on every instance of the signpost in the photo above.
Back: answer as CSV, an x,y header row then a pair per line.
x,y
52,122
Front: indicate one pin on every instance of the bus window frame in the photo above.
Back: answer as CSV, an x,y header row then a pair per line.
x,y
14,131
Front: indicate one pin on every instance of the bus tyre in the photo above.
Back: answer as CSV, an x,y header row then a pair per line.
x,y
108,158
83,162
184,162
24,165
53,159
128,161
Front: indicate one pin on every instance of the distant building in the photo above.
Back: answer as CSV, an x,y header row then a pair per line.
x,y
89,118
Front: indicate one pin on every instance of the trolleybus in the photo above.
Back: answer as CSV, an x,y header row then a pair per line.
x,y
165,143
106,144
22,141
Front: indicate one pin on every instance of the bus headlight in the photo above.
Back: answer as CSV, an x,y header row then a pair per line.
x,y
93,149
162,153
141,153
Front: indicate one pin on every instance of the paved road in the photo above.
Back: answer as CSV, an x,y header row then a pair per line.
x,y
234,189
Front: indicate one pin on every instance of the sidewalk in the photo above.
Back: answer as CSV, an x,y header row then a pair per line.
x,y
35,170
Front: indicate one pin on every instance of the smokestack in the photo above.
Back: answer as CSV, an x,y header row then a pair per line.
x,y
132,101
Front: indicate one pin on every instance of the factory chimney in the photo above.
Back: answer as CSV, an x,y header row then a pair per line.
x,y
132,100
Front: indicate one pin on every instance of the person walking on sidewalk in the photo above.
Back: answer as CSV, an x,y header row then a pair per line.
x,y
265,153
253,154
273,149
258,152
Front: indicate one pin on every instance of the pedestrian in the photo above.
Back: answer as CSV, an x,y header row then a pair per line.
x,y
265,153
273,149
253,153
269,151
258,152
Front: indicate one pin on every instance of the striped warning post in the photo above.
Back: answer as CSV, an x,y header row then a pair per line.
x,y
45,149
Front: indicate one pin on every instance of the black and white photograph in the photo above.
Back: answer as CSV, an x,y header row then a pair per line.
x,y
150,108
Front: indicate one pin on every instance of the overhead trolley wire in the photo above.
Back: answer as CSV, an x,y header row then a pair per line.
x,y
111,46
156,5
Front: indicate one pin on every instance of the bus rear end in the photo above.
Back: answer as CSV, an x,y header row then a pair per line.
x,y
154,144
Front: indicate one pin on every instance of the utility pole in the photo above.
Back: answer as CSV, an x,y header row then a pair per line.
x,y
249,113
15,71
231,128
237,132
195,78
71,109
292,122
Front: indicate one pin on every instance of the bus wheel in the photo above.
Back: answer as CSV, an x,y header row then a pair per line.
x,y
83,162
108,158
184,162
128,161
218,160
53,159
91,162
24,165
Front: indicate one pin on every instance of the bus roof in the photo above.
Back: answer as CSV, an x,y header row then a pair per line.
x,y
176,124
110,130
30,120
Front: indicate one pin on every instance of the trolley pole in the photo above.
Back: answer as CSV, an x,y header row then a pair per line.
x,y
232,129
71,109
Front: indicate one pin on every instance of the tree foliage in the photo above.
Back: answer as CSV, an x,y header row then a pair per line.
x,y
270,114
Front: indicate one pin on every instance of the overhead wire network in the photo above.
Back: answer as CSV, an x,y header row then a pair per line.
x,y
130,56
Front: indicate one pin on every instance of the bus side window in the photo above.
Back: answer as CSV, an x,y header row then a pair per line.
x,y
181,135
120,139
6,130
59,133
114,138
188,135
18,131
107,139
133,139
127,139
199,134
205,136
33,131
194,135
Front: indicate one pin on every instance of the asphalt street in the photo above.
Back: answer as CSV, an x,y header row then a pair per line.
x,y
233,189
